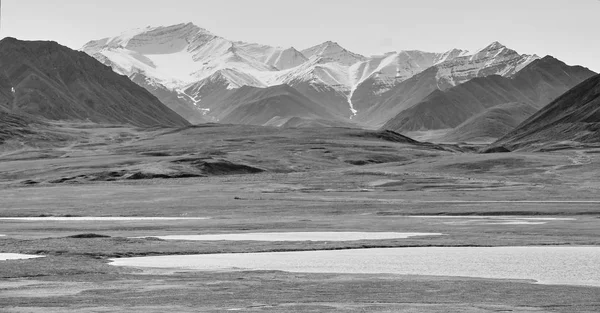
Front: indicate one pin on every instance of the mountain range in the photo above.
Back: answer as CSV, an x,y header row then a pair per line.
x,y
193,71
182,74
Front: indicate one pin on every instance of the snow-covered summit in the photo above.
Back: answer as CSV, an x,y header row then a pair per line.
x,y
333,51
180,55
494,59
153,40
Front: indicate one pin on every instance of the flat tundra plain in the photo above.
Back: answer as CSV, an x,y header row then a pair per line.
x,y
224,179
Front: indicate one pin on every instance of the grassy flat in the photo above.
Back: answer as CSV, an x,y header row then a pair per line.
x,y
306,180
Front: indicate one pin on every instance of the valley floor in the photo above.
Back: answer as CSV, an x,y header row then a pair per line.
x,y
255,179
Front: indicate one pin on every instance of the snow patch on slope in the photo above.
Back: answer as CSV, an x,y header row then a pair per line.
x,y
393,67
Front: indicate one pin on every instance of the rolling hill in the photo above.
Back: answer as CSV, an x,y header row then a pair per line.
x,y
21,131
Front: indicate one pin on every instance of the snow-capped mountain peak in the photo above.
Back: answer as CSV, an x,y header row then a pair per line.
x,y
494,46
333,51
153,40
493,50
174,56
494,59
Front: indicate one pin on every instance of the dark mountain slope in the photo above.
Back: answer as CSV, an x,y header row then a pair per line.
x,y
258,106
575,117
47,80
334,100
491,124
537,84
374,110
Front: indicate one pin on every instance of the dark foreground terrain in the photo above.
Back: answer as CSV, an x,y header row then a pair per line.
x,y
256,179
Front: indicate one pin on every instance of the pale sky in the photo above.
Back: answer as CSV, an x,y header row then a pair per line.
x,y
566,29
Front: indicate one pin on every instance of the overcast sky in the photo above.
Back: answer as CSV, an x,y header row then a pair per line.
x,y
566,29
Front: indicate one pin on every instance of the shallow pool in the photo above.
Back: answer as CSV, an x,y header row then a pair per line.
x,y
16,256
546,265
495,220
92,218
299,236
507,217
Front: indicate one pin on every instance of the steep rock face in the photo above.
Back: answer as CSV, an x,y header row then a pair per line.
x,y
573,117
491,124
537,84
54,82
